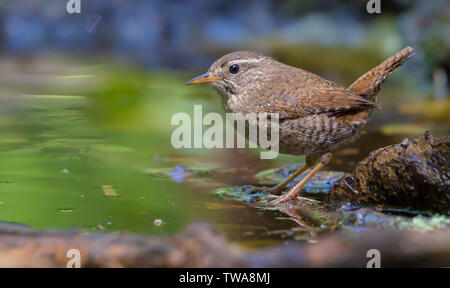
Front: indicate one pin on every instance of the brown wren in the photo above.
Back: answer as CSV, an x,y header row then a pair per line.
x,y
315,115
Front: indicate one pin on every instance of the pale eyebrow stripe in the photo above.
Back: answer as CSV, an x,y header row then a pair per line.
x,y
245,61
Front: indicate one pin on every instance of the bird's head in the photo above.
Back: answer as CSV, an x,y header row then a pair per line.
x,y
237,71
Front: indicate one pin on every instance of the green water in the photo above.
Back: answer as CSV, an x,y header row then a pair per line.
x,y
71,135
61,151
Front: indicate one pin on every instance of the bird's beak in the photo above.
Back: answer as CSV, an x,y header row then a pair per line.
x,y
204,78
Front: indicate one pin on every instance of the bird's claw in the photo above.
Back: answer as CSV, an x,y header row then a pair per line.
x,y
280,199
288,196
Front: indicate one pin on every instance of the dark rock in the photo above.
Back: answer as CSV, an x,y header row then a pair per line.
x,y
411,174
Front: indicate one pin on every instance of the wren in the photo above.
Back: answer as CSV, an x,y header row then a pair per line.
x,y
315,115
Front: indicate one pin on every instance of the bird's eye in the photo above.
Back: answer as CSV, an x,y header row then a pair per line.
x,y
234,69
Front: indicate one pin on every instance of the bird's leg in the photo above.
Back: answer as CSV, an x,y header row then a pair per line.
x,y
279,188
292,194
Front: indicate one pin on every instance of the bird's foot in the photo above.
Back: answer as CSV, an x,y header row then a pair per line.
x,y
279,199
291,195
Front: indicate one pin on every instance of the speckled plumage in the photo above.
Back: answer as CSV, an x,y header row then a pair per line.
x,y
316,115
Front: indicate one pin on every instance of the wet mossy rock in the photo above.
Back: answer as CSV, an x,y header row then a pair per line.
x,y
411,174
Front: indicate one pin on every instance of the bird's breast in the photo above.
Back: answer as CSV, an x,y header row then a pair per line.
x,y
316,134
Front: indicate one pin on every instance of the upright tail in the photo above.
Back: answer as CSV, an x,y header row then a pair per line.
x,y
369,84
